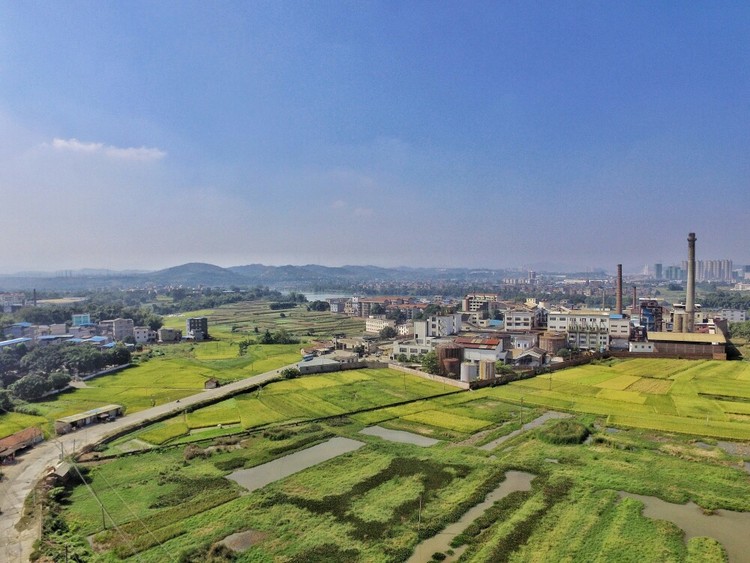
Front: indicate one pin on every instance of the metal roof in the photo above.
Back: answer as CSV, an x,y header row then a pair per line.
x,y
689,337
93,412
14,341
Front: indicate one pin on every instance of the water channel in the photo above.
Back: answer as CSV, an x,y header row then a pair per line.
x,y
728,527
260,476
528,426
399,436
514,481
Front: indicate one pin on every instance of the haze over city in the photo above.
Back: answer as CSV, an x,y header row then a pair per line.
x,y
144,135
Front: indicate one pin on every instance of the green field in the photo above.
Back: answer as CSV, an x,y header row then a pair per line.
x,y
172,371
705,398
305,398
377,503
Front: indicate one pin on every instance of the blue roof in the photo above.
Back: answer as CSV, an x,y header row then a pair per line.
x,y
55,336
24,325
97,339
14,341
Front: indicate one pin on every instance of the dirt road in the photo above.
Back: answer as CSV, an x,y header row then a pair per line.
x,y
21,477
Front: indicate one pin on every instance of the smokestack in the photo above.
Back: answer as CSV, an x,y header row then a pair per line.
x,y
618,304
635,301
690,300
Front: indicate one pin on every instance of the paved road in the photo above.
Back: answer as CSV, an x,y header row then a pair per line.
x,y
31,466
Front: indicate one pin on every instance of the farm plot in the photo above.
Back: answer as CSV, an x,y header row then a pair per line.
x,y
677,396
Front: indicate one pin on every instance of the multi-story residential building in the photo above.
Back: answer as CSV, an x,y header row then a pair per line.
x,y
144,334
437,326
197,327
11,301
338,304
81,319
478,301
732,315
589,329
519,319
169,334
119,328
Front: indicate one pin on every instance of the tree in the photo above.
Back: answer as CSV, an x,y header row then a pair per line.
x,y
403,358
59,380
30,387
388,332
290,373
430,363
377,309
6,403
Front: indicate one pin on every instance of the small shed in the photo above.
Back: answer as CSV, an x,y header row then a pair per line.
x,y
211,383
26,438
101,414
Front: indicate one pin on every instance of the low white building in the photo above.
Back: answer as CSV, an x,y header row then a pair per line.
x,y
376,324
643,347
478,349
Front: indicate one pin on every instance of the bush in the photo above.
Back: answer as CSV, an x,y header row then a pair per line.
x,y
290,373
564,431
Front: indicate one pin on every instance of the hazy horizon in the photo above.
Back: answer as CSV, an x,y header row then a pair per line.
x,y
141,136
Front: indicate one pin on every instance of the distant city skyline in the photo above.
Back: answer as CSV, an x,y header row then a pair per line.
x,y
146,135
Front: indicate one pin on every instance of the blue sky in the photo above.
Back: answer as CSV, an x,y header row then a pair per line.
x,y
484,134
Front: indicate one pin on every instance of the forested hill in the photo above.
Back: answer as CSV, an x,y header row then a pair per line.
x,y
208,275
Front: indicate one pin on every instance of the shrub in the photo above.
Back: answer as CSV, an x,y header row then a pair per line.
x,y
564,431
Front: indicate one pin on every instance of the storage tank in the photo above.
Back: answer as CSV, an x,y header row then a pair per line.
x,y
452,367
451,352
469,372
486,370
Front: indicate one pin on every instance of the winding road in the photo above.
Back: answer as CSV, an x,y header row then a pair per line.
x,y
20,478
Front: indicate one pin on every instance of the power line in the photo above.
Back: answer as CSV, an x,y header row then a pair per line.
x,y
145,527
104,510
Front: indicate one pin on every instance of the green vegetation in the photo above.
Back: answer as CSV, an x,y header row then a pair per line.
x,y
564,431
378,502
702,398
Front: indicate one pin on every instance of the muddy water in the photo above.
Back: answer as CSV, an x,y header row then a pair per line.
x,y
726,526
514,481
528,426
262,475
399,436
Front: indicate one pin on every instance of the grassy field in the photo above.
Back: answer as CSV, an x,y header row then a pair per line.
x,y
377,503
168,372
704,398
305,398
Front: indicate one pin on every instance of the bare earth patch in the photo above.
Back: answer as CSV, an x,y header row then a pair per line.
x,y
242,541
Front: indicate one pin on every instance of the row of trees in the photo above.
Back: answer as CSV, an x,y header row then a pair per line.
x,y
29,374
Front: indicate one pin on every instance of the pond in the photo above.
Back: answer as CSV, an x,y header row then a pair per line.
x,y
260,476
726,526
399,436
549,415
514,481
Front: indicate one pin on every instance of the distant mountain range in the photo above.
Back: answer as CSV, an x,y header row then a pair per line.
x,y
280,277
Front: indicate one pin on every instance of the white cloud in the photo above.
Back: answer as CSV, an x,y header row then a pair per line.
x,y
142,154
339,204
